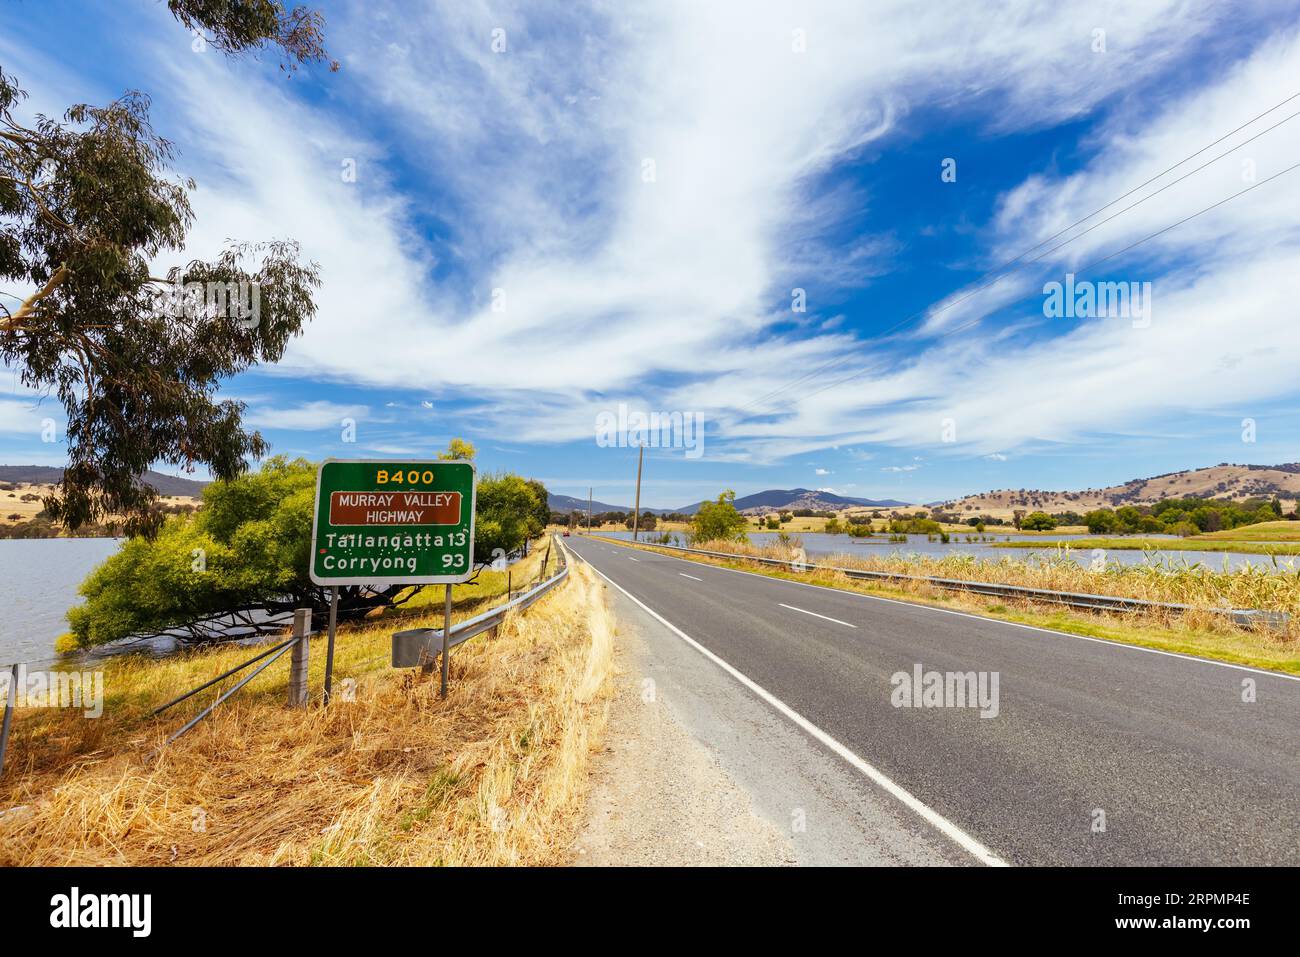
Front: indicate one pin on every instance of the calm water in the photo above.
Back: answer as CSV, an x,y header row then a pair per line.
x,y
819,543
38,583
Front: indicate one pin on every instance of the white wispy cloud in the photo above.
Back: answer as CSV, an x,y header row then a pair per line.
x,y
18,417
672,292
1225,278
305,417
544,145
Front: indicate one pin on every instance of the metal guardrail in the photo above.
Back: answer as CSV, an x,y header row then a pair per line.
x,y
419,646
1249,617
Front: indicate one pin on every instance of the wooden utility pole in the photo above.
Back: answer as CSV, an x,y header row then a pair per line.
x,y
636,514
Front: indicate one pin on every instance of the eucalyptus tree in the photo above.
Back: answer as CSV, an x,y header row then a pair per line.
x,y
135,355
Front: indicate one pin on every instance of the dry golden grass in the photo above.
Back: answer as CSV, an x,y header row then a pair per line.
x,y
1198,631
11,502
389,774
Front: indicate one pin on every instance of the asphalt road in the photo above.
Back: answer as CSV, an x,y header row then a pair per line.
x,y
1098,754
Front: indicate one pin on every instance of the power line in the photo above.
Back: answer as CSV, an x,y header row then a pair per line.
x,y
1103,222
826,367
1094,263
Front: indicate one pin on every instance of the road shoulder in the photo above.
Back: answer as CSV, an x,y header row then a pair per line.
x,y
657,796
701,771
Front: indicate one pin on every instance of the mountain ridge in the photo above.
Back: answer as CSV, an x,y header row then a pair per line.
x,y
52,475
1223,481
768,500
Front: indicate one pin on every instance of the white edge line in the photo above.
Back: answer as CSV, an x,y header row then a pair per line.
x,y
999,621
913,803
815,615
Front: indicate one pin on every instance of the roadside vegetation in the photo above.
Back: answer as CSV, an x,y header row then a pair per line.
x,y
720,521
243,556
387,775
1199,631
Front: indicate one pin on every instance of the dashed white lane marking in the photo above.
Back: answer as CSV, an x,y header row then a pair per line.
x,y
815,615
909,800
631,559
691,577
1120,646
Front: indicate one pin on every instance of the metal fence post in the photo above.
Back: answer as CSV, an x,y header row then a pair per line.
x,y
298,658
446,643
11,702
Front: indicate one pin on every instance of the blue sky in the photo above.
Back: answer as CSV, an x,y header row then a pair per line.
x,y
792,146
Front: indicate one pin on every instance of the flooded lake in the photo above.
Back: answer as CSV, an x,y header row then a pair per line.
x,y
819,543
39,578
38,583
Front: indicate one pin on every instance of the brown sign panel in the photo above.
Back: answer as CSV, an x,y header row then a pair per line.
x,y
395,508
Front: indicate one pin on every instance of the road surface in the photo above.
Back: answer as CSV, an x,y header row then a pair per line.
x,y
1090,752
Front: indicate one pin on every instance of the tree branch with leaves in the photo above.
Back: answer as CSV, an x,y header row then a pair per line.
x,y
87,204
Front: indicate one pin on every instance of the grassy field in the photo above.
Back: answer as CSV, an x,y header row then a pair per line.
x,y
1197,632
1263,532
13,509
388,775
1199,543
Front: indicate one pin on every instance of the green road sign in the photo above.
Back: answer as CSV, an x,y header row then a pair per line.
x,y
393,522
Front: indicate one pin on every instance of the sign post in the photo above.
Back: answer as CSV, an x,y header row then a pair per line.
x,y
393,522
446,638
329,653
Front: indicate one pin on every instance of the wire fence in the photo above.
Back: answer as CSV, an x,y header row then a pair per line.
x,y
296,645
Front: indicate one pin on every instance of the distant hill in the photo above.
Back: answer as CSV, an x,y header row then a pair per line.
x,y
49,475
758,503
1236,482
787,499
567,503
